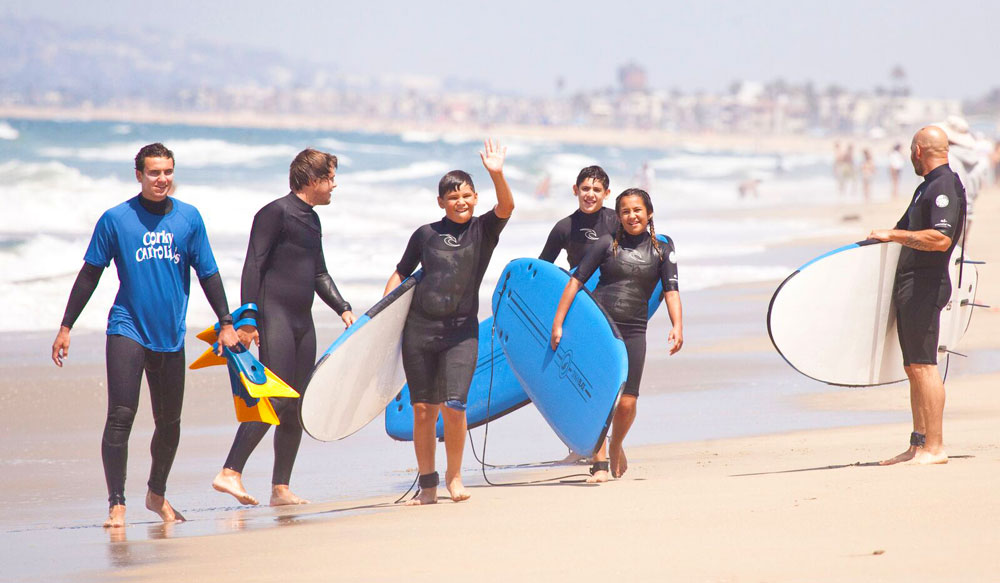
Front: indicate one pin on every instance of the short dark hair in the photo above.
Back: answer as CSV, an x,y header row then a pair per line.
x,y
156,150
595,172
309,165
454,180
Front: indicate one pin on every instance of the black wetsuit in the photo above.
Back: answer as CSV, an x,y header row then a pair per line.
x,y
441,336
126,361
577,233
628,277
284,269
923,285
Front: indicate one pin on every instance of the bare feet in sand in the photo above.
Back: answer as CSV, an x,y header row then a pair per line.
x,y
456,489
424,496
925,457
230,482
282,496
116,517
159,505
619,463
903,457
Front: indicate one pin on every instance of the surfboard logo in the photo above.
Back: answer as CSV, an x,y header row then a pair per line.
x,y
590,234
450,240
942,201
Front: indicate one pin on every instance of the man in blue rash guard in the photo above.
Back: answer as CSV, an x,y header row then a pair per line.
x,y
284,270
154,241
928,230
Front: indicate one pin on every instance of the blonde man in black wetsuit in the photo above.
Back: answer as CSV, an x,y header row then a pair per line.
x,y
284,269
441,336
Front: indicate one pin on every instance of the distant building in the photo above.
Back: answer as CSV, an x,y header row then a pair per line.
x,y
632,78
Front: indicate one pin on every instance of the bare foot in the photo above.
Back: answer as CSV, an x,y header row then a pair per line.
x,y
619,463
159,505
925,457
424,496
230,482
903,457
282,496
116,517
598,477
456,489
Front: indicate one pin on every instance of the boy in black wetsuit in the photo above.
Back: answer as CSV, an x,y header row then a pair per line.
x,y
440,339
283,271
577,232
631,262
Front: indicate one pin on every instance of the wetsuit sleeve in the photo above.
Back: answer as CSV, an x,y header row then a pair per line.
x,y
668,267
593,259
945,211
202,258
264,234
492,225
327,290
411,256
216,294
554,244
84,286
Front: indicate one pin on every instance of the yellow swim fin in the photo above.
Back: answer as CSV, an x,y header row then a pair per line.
x,y
273,387
210,335
262,411
209,358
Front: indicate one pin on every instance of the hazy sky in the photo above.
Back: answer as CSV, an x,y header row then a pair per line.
x,y
948,49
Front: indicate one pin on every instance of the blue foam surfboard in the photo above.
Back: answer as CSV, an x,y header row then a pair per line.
x,y
575,387
489,398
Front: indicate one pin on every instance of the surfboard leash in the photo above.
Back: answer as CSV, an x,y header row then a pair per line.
x,y
486,430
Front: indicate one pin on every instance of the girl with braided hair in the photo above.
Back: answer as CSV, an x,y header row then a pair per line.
x,y
631,263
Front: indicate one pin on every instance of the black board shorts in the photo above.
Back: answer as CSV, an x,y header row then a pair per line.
x,y
918,314
439,358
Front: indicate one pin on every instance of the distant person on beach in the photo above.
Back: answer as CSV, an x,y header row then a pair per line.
x,y
542,190
867,173
896,163
283,271
579,231
441,334
632,261
154,240
969,159
843,168
928,231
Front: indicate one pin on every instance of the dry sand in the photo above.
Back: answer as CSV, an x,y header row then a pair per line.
x,y
806,506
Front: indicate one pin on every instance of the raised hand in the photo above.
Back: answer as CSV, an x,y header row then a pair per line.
x,y
493,156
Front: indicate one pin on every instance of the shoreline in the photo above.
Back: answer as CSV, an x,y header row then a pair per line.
x,y
581,135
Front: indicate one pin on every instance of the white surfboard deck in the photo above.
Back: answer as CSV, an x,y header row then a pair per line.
x,y
834,319
361,371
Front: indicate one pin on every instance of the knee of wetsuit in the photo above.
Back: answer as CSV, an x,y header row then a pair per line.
x,y
455,404
121,417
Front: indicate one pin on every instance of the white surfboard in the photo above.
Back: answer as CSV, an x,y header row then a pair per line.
x,y
361,371
834,319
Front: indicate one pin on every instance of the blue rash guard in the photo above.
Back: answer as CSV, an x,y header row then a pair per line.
x,y
153,255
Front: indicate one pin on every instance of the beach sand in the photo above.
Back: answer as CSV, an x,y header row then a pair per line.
x,y
794,506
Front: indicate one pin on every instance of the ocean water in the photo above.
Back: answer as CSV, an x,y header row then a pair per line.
x,y
56,178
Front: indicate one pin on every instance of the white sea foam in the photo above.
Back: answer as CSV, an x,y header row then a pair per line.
x,y
8,132
336,146
431,168
193,153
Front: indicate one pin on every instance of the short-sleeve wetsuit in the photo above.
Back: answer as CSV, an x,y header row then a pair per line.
x,y
577,233
284,269
628,277
440,338
923,285
154,246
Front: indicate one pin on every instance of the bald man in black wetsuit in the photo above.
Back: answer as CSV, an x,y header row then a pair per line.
x,y
284,269
928,231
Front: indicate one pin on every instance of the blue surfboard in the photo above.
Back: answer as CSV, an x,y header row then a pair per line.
x,y
495,391
575,387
